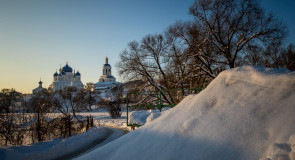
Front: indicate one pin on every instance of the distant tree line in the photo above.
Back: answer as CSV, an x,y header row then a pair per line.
x,y
23,116
223,34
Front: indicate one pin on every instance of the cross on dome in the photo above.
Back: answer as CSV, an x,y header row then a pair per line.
x,y
107,60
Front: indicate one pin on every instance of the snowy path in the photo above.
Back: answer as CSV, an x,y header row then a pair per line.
x,y
112,134
67,148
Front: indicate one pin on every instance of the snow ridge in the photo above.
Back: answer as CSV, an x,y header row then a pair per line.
x,y
245,113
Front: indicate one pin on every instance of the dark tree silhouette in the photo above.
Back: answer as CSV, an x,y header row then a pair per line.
x,y
230,25
41,104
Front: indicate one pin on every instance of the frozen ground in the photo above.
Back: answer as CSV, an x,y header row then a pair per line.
x,y
73,146
144,116
103,118
104,132
55,148
246,113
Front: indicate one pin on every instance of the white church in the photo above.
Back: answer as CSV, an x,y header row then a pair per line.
x,y
66,78
106,80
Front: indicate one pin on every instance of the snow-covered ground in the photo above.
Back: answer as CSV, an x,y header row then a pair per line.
x,y
102,117
53,149
101,134
144,116
57,148
246,113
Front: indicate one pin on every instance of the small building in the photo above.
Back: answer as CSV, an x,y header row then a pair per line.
x,y
38,89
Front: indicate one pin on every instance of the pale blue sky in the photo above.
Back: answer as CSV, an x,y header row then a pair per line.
x,y
36,36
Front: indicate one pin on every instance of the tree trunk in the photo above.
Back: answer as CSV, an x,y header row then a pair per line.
x,y
69,125
87,123
232,64
39,127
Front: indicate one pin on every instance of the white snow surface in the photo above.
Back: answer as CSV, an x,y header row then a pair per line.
x,y
144,116
246,113
52,149
60,147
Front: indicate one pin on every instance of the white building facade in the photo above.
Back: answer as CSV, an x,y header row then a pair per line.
x,y
66,78
106,80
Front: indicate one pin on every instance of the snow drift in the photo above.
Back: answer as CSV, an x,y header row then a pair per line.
x,y
55,148
246,113
145,116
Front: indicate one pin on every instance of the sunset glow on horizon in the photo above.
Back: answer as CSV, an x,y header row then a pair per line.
x,y
39,37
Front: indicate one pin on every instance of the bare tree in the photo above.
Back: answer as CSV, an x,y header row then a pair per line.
x,y
90,97
9,119
288,57
69,101
41,104
254,56
197,50
114,101
229,25
224,34
116,108
63,102
272,55
147,61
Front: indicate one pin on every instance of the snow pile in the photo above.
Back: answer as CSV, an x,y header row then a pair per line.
x,y
279,152
55,148
292,143
245,113
140,117
144,116
153,116
282,151
115,123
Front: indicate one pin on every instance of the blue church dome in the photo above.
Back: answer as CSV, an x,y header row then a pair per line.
x,y
67,68
110,76
78,74
55,74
